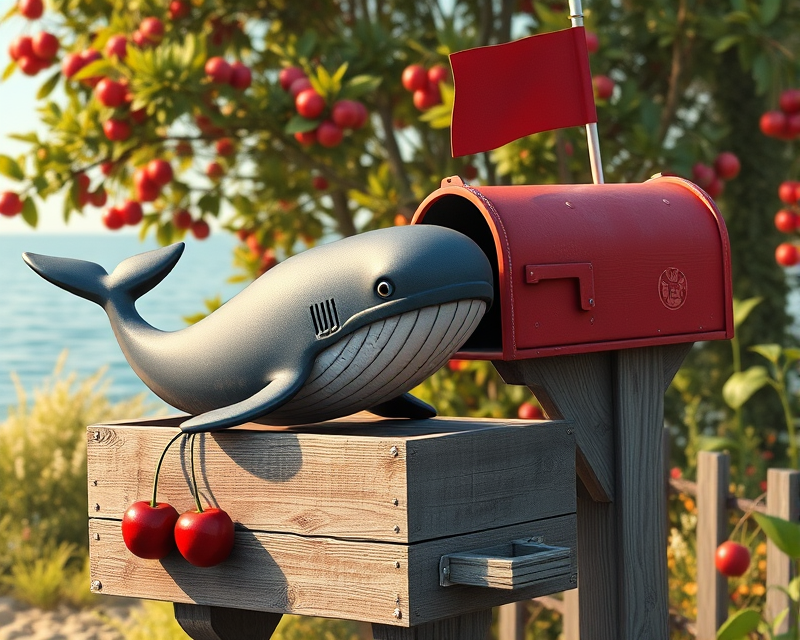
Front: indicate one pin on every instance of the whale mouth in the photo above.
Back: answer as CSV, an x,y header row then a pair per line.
x,y
380,361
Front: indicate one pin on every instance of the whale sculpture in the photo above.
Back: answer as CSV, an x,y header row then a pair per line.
x,y
340,328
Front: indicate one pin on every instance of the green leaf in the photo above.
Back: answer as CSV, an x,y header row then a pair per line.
x,y
762,72
25,137
739,625
776,623
29,212
11,12
771,352
299,124
339,74
785,534
47,88
10,169
741,385
726,42
8,71
209,203
742,309
95,69
769,11
794,589
791,354
359,86
717,443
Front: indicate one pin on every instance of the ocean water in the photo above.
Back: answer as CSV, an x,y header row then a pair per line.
x,y
38,320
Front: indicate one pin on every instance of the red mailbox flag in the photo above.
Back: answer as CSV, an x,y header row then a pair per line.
x,y
507,91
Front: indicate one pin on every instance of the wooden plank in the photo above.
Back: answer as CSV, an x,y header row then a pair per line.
x,y
403,481
713,478
471,626
783,494
578,388
318,576
571,617
221,623
511,621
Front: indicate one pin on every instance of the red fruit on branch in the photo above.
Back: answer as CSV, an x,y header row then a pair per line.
x,y
592,41
225,147
182,219
113,219
320,183
789,191
152,30
148,530
139,40
131,212
204,538
727,165
241,76
45,45
31,9
110,93
146,189
785,221
773,124
116,130
306,138
789,101
329,135
732,559
139,116
715,188
414,78
215,171
288,75
98,197
184,149
426,98
299,85
21,46
159,171
117,46
10,204
346,114
107,168
603,87
178,10
218,70
793,125
30,65
201,231
71,64
438,73
470,171
529,411
787,255
309,104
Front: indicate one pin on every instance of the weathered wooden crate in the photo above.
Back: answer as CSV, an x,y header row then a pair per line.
x,y
348,519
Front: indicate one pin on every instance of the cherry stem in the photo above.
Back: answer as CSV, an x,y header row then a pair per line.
x,y
194,478
153,502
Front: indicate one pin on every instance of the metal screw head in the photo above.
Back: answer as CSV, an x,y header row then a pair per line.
x,y
396,564
574,578
395,501
394,452
97,507
446,571
665,201
570,431
591,302
397,614
96,536
96,435
569,204
96,585
94,483
397,528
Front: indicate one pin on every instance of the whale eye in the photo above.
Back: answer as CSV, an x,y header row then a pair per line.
x,y
384,288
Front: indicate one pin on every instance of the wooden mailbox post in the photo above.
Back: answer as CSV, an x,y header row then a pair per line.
x,y
420,527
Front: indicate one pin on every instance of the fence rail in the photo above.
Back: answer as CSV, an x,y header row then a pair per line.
x,y
713,505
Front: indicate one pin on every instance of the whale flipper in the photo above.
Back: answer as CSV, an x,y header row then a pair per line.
x,y
275,394
130,280
404,406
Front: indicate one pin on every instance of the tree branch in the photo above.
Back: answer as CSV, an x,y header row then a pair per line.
x,y
408,201
344,217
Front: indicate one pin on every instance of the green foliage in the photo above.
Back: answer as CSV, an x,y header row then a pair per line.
x,y
40,578
152,621
740,625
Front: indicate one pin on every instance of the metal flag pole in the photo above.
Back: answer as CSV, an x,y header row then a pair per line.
x,y
576,16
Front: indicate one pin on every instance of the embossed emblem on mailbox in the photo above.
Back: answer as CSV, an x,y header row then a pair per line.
x,y
672,288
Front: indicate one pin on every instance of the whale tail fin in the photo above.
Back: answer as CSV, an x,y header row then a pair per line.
x,y
132,278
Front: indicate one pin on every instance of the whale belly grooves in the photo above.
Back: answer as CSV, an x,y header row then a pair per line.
x,y
380,361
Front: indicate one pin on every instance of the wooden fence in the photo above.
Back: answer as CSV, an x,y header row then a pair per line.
x,y
713,505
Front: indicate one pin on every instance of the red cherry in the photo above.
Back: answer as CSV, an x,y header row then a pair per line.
x,y
148,530
789,191
787,255
715,188
592,41
10,204
30,65
363,114
241,76
204,538
215,171
414,78
225,147
131,212
732,558
793,125
773,123
790,101
470,171
309,104
454,364
346,114
89,56
320,183
529,411
288,75
306,138
438,73
107,168
727,165
83,182
184,149
201,231
603,87
31,9
110,93
426,98
146,189
117,46
254,245
45,45
182,219
152,30
21,46
159,171
785,221
329,135
178,9
71,64
218,70
299,85
116,130
139,116
98,197
139,39
113,220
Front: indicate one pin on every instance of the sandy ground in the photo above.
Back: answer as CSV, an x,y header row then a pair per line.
x,y
18,621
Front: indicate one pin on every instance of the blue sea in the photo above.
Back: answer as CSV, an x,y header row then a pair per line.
x,y
38,320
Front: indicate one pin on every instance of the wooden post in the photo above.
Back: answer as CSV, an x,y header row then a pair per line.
x,y
572,615
783,493
221,623
470,626
713,477
511,621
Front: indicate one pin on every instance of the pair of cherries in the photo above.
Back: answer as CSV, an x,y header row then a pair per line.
x,y
152,529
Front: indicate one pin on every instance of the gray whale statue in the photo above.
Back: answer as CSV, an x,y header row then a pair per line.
x,y
340,328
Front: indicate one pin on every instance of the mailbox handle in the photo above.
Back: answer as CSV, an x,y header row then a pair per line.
x,y
583,271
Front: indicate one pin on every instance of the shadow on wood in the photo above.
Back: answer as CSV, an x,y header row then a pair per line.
x,y
221,623
470,626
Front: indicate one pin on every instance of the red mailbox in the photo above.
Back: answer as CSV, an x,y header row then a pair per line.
x,y
591,267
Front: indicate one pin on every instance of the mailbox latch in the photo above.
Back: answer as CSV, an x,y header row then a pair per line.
x,y
583,271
